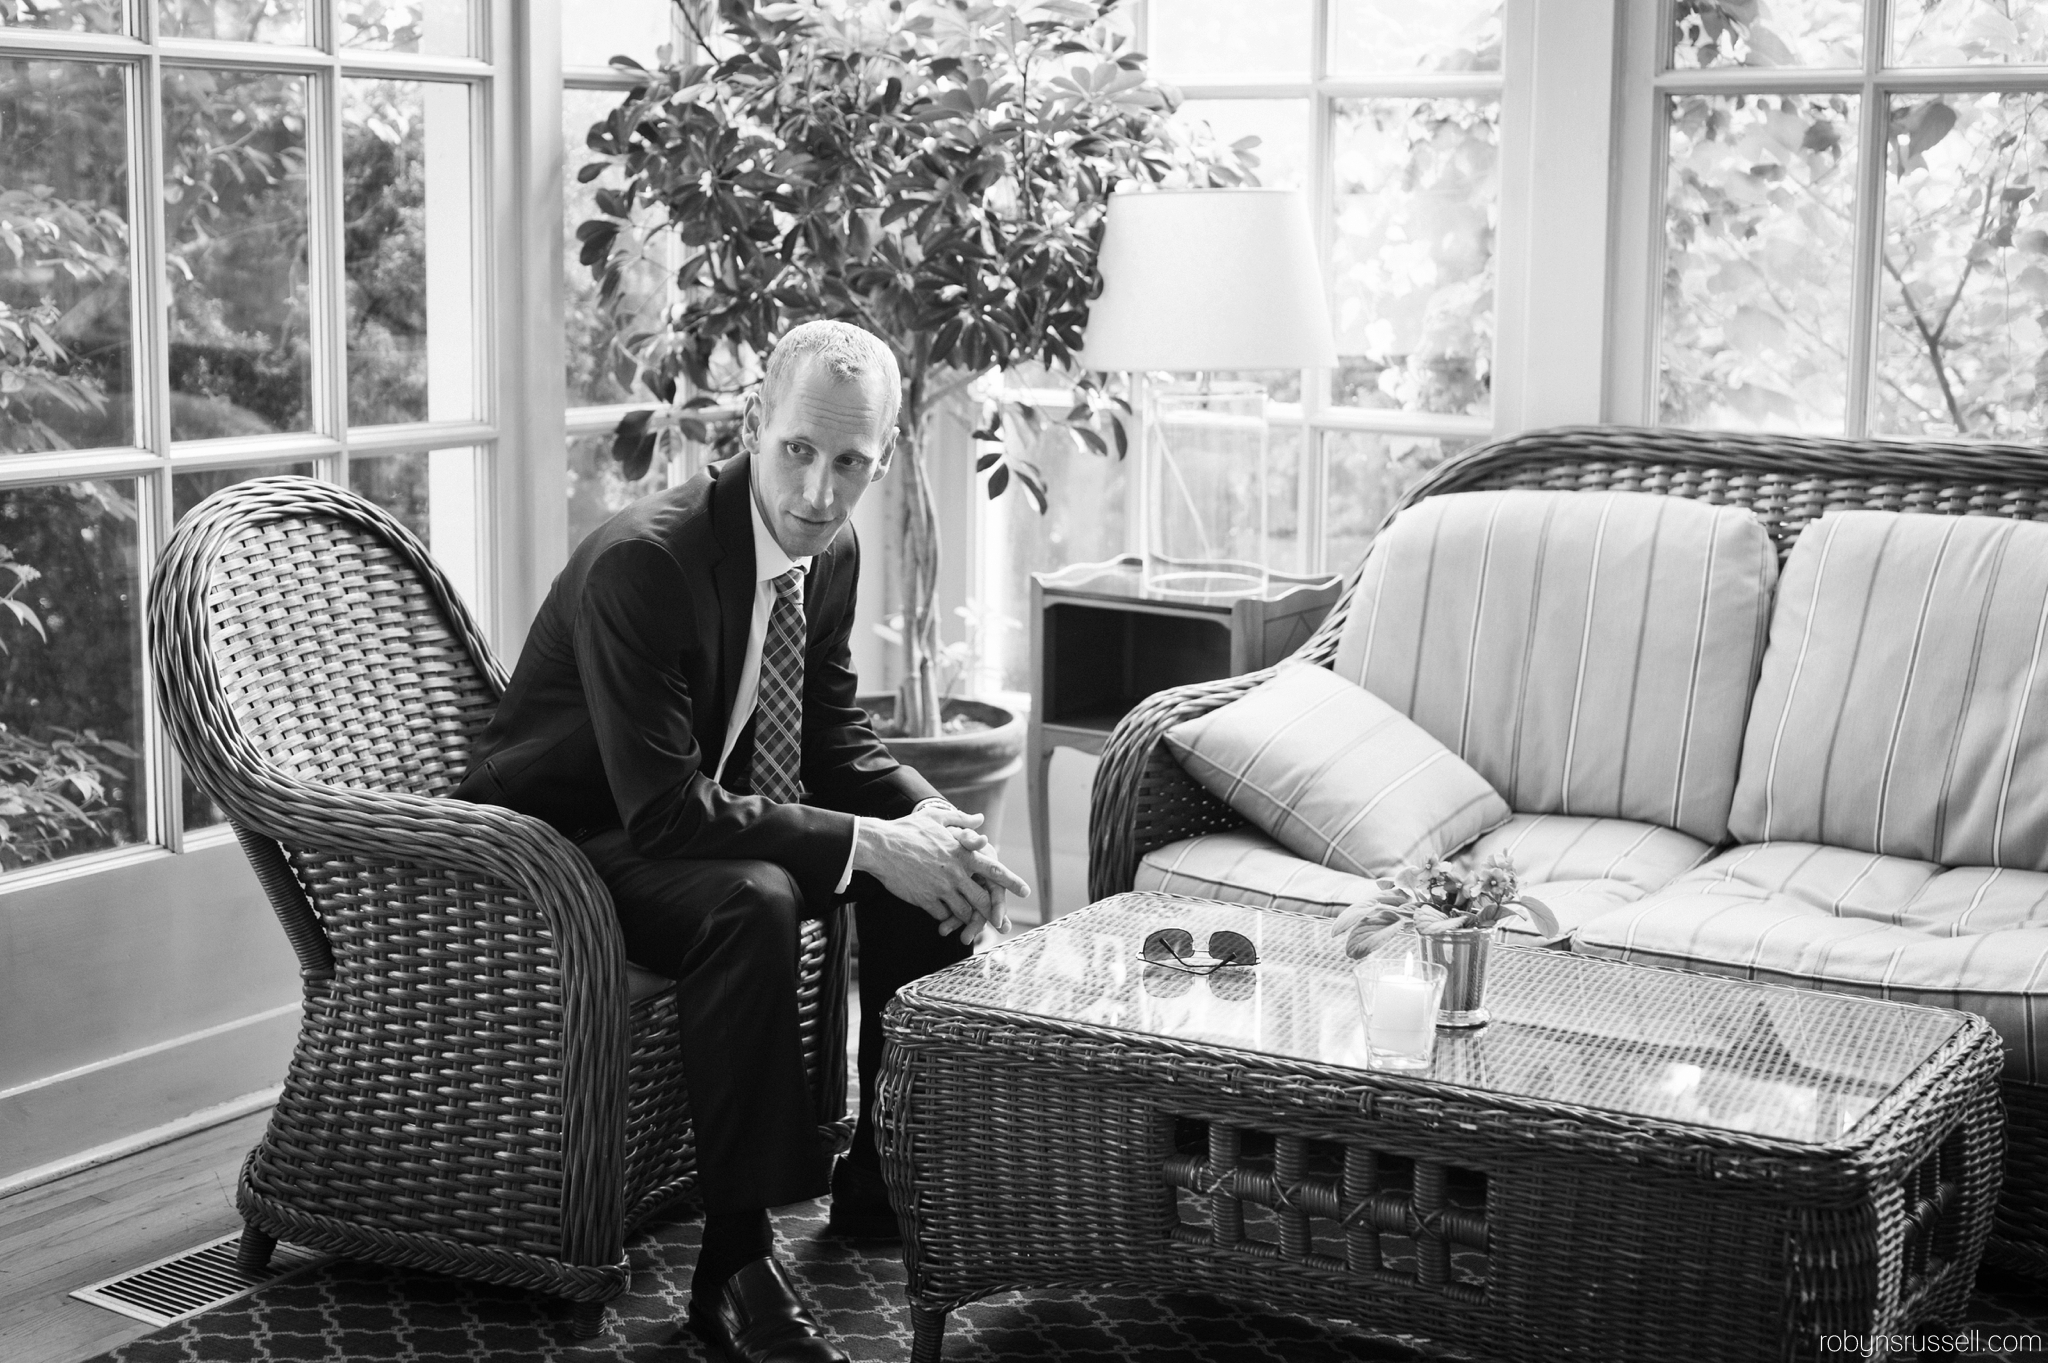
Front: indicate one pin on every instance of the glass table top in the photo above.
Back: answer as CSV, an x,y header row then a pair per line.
x,y
1784,1063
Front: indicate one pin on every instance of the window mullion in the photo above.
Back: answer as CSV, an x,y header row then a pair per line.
x,y
152,379
1311,494
327,270
1871,151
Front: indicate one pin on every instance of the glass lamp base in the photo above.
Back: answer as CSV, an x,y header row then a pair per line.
x,y
1203,584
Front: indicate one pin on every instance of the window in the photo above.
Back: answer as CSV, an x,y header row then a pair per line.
x,y
237,238
1848,231
1387,116
601,380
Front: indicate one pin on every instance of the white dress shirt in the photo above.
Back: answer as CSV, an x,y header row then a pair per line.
x,y
770,562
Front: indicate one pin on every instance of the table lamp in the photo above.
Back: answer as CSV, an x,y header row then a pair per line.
x,y
1206,280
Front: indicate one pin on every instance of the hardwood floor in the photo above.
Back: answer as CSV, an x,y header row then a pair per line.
x,y
98,1223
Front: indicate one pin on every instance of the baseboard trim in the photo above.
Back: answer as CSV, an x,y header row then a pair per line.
x,y
213,1116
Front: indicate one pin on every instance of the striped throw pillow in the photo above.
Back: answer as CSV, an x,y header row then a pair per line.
x,y
1903,706
1588,653
1336,775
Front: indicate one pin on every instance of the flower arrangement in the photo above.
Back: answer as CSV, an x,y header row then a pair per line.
x,y
1440,895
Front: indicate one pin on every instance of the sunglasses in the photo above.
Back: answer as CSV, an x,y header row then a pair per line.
x,y
1175,949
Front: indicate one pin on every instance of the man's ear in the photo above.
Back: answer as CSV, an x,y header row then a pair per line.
x,y
888,453
750,423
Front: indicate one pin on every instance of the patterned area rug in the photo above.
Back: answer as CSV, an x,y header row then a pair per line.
x,y
352,1312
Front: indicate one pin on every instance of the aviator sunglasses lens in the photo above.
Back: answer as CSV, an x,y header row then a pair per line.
x,y
1169,946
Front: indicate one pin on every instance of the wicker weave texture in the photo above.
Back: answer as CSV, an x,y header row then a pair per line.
x,y
470,1092
1029,1150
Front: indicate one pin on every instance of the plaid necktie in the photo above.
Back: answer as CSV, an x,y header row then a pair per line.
x,y
778,708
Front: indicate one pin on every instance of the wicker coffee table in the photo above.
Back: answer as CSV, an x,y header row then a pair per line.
x,y
1627,1164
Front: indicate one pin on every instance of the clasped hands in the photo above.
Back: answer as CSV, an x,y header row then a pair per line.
x,y
935,857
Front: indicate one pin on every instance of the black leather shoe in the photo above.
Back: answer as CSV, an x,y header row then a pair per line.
x,y
860,1206
758,1318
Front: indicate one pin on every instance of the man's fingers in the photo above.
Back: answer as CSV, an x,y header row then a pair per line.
x,y
951,817
995,873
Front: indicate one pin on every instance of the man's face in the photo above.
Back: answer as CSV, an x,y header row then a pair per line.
x,y
815,454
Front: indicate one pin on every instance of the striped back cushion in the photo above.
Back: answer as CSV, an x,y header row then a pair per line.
x,y
1587,653
1903,706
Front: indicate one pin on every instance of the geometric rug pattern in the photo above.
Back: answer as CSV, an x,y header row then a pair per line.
x,y
348,1312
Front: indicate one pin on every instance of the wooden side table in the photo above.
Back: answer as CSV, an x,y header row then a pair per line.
x,y
1100,643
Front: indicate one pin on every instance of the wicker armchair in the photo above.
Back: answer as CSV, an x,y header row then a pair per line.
x,y
479,1088
1142,799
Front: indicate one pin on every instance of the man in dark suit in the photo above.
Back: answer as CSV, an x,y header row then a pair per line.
x,y
684,709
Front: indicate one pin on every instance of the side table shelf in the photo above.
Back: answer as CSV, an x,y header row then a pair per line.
x,y
1100,643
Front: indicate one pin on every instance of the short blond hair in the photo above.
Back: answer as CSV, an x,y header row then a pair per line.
x,y
848,353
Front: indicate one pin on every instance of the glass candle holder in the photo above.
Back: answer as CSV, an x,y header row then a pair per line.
x,y
1399,996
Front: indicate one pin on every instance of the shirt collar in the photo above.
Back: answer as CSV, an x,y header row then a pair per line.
x,y
770,562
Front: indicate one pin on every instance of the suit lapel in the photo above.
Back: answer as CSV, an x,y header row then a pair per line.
x,y
734,573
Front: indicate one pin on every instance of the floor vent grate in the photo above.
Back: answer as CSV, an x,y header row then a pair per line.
x,y
198,1279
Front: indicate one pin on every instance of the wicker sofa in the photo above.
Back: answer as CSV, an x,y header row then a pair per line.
x,y
1152,823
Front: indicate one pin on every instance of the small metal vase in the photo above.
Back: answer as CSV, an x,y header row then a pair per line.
x,y
1463,953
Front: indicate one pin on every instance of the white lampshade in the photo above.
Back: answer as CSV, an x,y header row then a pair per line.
x,y
1209,279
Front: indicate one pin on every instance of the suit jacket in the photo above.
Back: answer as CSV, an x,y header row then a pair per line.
x,y
617,711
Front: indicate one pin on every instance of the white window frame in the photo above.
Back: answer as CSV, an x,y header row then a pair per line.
x,y
1644,141
331,445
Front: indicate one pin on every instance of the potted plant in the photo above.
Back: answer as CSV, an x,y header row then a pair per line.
x,y
1455,910
935,171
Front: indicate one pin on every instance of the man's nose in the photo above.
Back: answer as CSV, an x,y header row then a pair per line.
x,y
817,486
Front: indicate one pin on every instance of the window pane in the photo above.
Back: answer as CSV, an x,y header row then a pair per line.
x,y
1411,269
1757,269
1281,125
1286,451
595,31
1084,522
434,495
1366,474
235,217
1368,36
1218,39
1779,33
79,16
187,491
598,371
65,297
438,28
597,490
1963,32
1965,268
71,674
240,21
406,201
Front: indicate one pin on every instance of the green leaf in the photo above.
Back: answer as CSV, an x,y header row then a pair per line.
x,y
1927,125
1538,913
998,480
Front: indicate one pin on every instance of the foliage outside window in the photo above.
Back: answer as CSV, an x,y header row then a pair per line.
x,y
231,316
1805,290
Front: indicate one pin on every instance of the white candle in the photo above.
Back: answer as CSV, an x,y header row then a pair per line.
x,y
1402,1020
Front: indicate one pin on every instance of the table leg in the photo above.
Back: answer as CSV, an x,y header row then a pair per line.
x,y
929,1333
1038,757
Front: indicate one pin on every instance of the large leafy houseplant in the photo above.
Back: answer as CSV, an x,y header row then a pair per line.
x,y
935,171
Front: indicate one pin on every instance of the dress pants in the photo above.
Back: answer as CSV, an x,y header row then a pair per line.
x,y
726,933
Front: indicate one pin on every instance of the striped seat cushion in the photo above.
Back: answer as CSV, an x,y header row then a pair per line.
x,y
1244,866
1336,774
1903,706
1581,868
1587,653
1974,938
